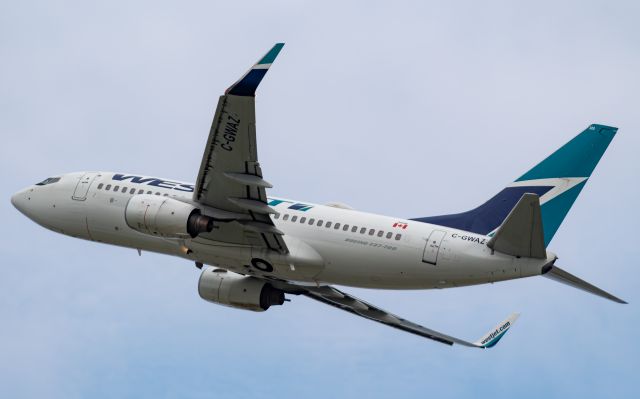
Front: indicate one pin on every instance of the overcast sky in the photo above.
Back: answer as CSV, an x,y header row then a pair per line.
x,y
404,108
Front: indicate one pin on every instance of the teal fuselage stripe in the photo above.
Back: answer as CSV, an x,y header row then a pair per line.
x,y
577,158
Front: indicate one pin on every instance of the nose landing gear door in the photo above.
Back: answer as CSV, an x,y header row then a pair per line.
x,y
82,188
432,247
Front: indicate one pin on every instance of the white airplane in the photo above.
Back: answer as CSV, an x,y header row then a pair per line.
x,y
260,248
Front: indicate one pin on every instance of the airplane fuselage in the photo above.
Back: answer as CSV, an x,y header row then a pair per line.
x,y
328,244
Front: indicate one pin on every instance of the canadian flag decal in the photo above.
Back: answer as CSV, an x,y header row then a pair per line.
x,y
400,225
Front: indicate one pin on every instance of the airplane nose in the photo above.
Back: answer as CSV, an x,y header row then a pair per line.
x,y
14,200
18,200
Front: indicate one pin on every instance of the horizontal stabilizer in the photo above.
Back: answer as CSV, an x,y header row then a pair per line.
x,y
492,337
521,232
555,273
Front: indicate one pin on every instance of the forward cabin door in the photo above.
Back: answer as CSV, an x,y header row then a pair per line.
x,y
432,247
82,188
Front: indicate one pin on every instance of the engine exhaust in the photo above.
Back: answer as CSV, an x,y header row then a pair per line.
x,y
197,224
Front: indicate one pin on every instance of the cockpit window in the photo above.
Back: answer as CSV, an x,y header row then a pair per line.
x,y
50,180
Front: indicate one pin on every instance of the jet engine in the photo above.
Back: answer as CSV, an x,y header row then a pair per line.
x,y
167,217
237,291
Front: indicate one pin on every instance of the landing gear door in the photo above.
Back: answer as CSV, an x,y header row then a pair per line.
x,y
82,188
432,248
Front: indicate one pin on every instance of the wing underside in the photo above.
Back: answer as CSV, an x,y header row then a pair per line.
x,y
230,181
349,303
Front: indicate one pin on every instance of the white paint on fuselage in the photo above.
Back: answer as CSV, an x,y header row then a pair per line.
x,y
348,258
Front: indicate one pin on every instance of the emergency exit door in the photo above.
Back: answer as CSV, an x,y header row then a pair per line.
x,y
432,247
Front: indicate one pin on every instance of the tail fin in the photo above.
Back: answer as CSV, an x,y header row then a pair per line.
x,y
557,180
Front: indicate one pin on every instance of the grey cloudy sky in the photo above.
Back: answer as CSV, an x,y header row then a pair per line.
x,y
403,108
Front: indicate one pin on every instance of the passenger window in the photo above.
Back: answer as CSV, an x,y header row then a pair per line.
x,y
320,223
294,218
345,228
276,216
398,236
337,226
372,232
286,217
124,189
354,229
157,193
165,195
303,219
133,191
328,225
116,188
380,233
389,234
100,186
149,192
311,221
363,230
108,187
141,191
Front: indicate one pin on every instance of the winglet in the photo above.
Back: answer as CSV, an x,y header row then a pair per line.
x,y
491,338
248,83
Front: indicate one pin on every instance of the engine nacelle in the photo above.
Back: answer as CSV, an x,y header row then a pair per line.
x,y
237,291
167,217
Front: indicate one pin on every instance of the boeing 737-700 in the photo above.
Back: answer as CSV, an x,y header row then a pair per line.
x,y
254,249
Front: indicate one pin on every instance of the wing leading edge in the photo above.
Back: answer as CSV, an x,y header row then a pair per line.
x,y
341,300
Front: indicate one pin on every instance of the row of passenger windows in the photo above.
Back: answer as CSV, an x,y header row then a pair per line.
x,y
336,226
125,189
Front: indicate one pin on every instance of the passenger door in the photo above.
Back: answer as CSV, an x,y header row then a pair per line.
x,y
82,188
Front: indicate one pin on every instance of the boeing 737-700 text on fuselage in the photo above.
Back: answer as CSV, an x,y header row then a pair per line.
x,y
254,249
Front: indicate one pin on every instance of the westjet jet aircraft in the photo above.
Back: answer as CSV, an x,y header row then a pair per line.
x,y
259,248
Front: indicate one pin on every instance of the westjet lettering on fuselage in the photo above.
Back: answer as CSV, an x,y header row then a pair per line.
x,y
153,181
189,188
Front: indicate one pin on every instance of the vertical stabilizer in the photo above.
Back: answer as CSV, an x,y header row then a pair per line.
x,y
557,180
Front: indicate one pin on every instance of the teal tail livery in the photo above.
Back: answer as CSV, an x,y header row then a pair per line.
x,y
557,180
